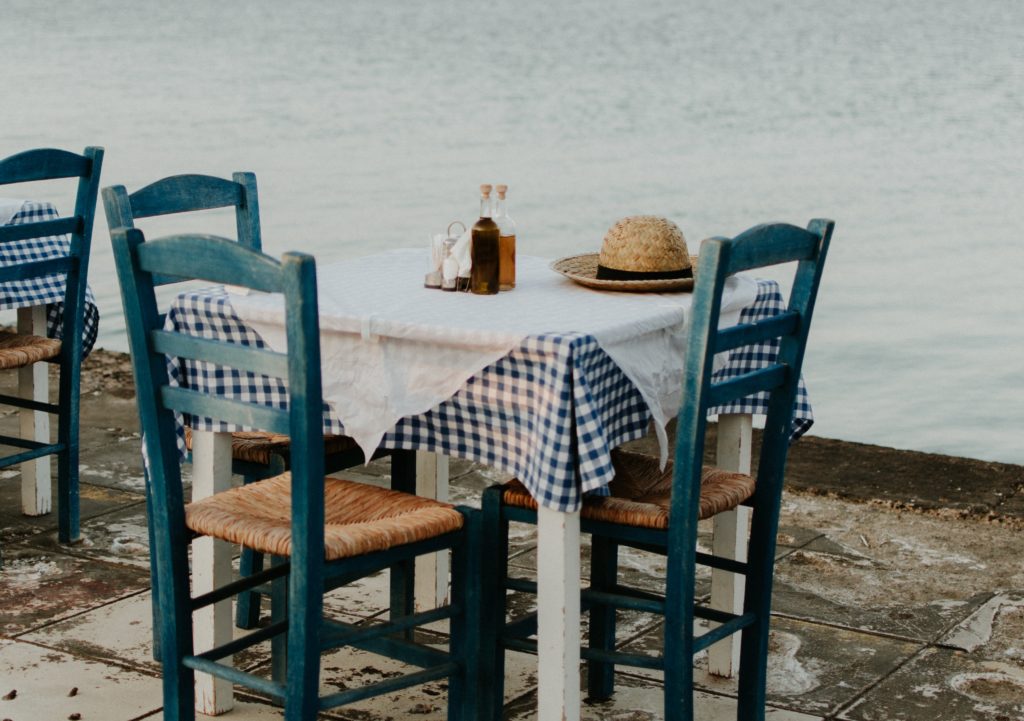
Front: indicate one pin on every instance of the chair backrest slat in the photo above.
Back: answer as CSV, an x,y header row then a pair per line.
x,y
760,246
53,164
40,229
35,269
771,244
209,258
44,164
184,193
751,333
758,381
204,405
245,358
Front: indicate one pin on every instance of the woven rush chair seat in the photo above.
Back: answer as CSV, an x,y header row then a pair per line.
x,y
641,492
359,518
20,350
260,447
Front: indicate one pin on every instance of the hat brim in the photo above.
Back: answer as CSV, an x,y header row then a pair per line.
x,y
583,270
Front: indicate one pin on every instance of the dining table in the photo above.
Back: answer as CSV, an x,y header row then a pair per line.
x,y
39,306
540,382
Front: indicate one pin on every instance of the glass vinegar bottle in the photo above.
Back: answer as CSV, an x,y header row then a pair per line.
x,y
484,248
506,242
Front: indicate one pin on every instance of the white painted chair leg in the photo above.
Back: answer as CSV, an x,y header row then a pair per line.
x,y
211,567
431,588
558,615
730,540
33,383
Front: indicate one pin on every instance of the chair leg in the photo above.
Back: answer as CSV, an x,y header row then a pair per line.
x,y
279,612
751,693
175,642
68,514
305,614
603,577
492,653
247,608
678,628
179,694
68,528
753,669
465,690
679,665
403,574
154,577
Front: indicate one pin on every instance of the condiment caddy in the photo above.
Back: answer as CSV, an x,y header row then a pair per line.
x,y
481,260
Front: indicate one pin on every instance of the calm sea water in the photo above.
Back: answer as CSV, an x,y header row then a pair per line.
x,y
370,124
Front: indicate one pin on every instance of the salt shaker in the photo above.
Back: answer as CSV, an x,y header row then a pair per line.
x,y
433,276
450,266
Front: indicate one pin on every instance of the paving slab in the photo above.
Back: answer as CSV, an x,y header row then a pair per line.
x,y
365,598
122,632
120,536
812,667
40,588
51,684
352,668
243,710
94,500
641,700
115,464
906,574
882,611
984,681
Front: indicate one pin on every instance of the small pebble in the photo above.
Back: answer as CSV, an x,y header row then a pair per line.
x,y
73,691
75,716
12,695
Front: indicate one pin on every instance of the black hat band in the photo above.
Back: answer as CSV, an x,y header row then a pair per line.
x,y
605,273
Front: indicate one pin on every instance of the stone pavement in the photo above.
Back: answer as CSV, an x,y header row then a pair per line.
x,y
899,593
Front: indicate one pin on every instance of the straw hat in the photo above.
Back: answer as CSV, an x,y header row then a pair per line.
x,y
639,253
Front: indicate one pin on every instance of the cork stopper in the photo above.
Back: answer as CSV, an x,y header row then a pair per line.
x,y
485,190
502,189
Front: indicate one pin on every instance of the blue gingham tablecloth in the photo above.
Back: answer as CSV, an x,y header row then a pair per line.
x,y
48,289
549,412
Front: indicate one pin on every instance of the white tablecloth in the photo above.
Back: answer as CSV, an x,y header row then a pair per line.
x,y
392,348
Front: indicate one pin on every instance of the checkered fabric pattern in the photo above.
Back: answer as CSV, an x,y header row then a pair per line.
x,y
749,358
46,289
549,412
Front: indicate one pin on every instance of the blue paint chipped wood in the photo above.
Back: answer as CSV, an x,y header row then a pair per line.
x,y
189,193
45,164
297,620
758,247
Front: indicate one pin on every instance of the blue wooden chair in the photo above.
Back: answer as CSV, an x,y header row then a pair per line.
x,y
19,350
255,455
337,530
658,511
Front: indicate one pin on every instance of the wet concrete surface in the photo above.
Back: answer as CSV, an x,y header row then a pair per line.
x,y
899,593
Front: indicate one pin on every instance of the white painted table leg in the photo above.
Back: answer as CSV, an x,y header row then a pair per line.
x,y
431,588
730,540
558,615
33,382
211,567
